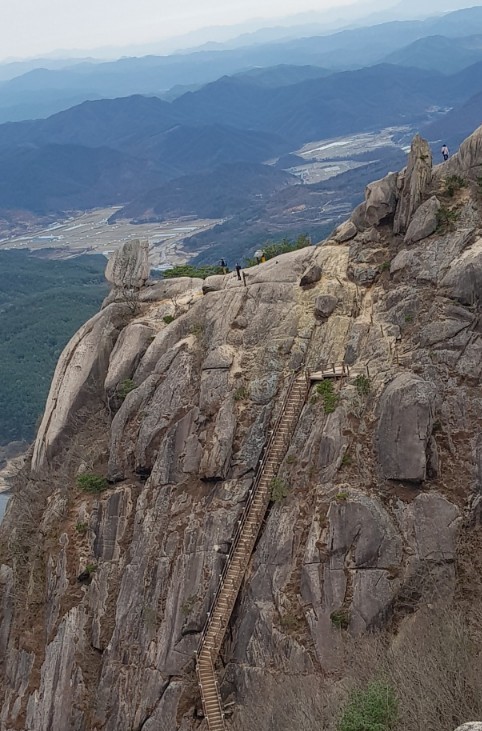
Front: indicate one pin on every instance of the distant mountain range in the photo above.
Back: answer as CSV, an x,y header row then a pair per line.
x,y
204,152
440,53
43,91
114,151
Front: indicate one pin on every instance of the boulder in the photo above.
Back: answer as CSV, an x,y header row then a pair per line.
x,y
128,267
311,275
413,183
325,304
345,232
174,289
470,726
214,283
381,199
358,217
463,281
404,428
287,268
425,221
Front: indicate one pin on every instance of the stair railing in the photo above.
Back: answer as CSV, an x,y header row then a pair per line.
x,y
252,492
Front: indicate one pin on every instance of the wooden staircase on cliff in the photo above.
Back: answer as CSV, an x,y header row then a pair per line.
x,y
244,540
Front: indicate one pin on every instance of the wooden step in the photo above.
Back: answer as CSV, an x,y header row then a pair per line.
x,y
240,553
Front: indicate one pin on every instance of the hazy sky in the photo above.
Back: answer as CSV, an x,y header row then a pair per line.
x,y
31,27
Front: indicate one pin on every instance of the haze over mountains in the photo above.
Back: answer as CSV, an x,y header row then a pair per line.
x,y
140,142
42,90
260,103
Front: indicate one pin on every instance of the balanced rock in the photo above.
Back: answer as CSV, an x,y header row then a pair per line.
x,y
425,221
128,267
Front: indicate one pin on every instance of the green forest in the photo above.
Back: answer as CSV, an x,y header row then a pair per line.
x,y
42,303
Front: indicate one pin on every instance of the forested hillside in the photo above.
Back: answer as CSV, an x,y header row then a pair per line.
x,y
42,304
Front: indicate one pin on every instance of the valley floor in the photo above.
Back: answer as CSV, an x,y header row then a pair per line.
x,y
90,233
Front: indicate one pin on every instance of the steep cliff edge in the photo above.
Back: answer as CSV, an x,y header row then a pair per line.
x,y
170,393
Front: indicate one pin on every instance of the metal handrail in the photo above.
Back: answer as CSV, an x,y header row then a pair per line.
x,y
213,674
252,493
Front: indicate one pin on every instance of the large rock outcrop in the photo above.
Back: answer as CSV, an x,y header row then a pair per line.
x,y
104,594
467,161
425,221
404,427
414,183
78,380
380,203
128,267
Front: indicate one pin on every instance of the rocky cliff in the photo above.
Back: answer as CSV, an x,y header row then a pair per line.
x,y
163,403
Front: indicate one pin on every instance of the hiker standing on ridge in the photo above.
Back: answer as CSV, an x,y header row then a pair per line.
x,y
445,152
238,270
224,266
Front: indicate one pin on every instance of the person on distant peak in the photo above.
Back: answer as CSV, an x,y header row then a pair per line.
x,y
238,270
224,266
445,152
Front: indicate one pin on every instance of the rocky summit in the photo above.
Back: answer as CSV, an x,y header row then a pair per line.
x,y
159,411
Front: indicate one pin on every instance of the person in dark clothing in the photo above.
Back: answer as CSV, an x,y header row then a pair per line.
x,y
238,270
445,152
224,266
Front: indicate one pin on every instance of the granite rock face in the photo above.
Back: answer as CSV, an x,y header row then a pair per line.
x,y
404,427
103,595
345,232
413,184
380,203
425,221
78,379
128,267
127,352
463,280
